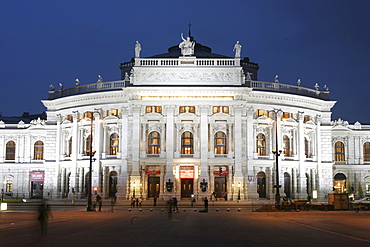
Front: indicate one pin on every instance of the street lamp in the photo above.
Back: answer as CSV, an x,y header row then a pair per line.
x,y
277,153
91,154
133,189
239,190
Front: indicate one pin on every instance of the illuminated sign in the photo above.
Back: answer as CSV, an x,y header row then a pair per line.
x,y
186,173
37,176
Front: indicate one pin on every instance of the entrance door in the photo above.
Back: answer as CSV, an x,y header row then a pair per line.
x,y
37,189
261,184
220,187
113,179
186,188
153,187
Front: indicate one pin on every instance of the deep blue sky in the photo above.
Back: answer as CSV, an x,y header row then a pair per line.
x,y
47,42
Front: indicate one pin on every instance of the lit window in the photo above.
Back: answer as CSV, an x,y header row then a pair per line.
x,y
154,143
69,147
286,146
69,118
88,145
286,115
307,148
9,186
260,113
88,114
148,109
114,112
339,154
225,109
261,145
38,151
114,144
307,118
216,109
367,151
187,143
187,109
10,150
220,143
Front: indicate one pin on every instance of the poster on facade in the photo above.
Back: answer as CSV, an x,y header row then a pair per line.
x,y
37,176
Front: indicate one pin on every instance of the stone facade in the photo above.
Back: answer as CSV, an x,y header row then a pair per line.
x,y
186,126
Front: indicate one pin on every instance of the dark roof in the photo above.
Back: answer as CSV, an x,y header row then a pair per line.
x,y
200,51
26,118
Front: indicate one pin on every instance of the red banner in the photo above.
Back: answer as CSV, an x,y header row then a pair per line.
x,y
222,172
37,176
153,172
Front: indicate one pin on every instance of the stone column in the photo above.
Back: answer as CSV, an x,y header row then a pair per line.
x,y
204,176
135,144
170,132
238,176
301,158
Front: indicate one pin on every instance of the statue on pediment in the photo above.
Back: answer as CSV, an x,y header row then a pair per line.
x,y
137,49
186,46
237,49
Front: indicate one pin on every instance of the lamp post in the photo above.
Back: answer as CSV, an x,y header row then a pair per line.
x,y
277,153
239,191
133,189
91,153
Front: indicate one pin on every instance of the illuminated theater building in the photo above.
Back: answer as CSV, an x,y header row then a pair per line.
x,y
187,122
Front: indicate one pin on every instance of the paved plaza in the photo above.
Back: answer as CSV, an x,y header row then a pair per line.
x,y
152,226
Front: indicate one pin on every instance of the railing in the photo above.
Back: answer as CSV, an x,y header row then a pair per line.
x,y
179,62
285,88
89,88
258,85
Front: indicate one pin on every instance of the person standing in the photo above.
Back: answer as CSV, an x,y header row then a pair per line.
x,y
155,202
175,208
99,201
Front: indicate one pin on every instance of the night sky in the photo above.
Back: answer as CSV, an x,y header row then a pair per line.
x,y
47,42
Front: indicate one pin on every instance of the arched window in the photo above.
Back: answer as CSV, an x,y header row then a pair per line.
x,y
154,143
114,144
286,146
187,143
220,143
367,151
38,150
339,154
88,145
261,145
10,150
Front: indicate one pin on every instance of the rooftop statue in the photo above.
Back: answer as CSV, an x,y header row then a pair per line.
x,y
237,49
100,79
186,46
77,82
137,49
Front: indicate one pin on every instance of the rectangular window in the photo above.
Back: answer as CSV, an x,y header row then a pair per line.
x,y
148,109
260,113
187,109
225,109
216,109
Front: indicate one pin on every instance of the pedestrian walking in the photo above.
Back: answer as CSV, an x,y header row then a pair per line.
x,y
155,202
140,201
43,216
205,204
99,201
174,202
137,202
132,202
169,203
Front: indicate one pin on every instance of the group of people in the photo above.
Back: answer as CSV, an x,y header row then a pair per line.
x,y
136,201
